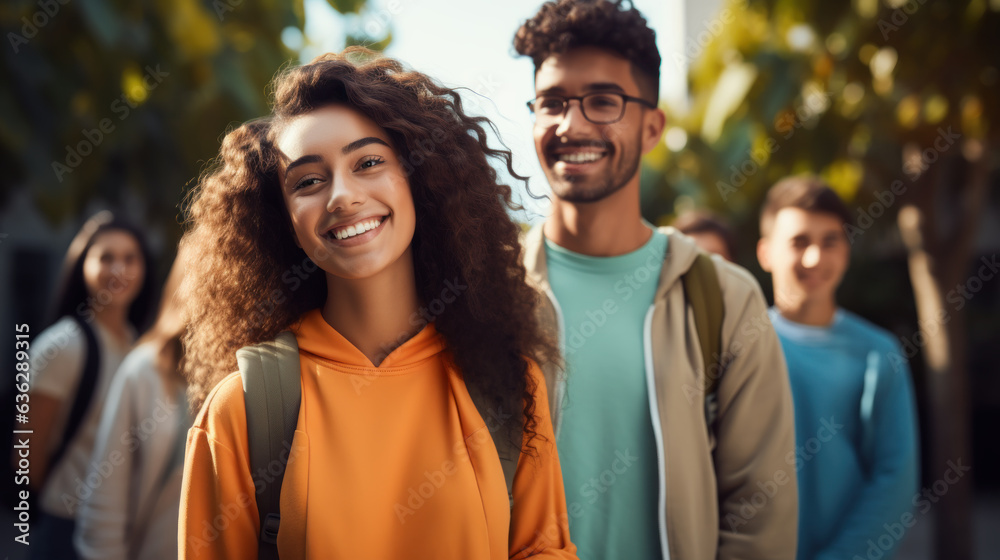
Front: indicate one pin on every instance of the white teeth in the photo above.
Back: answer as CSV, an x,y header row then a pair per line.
x,y
580,157
357,229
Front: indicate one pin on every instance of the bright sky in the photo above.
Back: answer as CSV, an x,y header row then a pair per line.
x,y
468,43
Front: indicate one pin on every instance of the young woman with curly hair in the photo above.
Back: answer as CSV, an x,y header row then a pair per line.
x,y
363,215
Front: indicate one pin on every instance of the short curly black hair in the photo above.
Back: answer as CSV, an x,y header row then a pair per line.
x,y
563,25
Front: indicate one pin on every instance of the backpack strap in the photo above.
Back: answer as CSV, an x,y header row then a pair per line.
x,y
704,294
84,391
271,392
507,450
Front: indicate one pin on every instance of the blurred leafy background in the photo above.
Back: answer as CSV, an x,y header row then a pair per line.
x,y
70,64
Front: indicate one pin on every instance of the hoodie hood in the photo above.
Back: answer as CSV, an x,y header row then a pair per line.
x,y
681,252
318,338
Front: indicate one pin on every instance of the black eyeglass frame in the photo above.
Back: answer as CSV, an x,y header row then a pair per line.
x,y
567,99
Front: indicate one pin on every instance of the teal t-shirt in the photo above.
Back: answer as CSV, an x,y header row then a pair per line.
x,y
606,444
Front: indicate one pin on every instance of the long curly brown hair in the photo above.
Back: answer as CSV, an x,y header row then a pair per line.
x,y
240,286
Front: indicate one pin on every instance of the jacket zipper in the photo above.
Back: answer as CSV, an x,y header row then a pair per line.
x,y
654,412
560,386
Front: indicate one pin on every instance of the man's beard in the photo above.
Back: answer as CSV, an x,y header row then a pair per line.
x,y
573,189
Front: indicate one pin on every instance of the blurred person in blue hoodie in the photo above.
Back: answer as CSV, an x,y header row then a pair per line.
x,y
855,419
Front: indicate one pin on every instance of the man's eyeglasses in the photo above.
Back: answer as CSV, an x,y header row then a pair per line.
x,y
597,107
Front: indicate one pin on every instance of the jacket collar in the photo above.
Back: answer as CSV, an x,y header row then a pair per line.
x,y
681,252
533,248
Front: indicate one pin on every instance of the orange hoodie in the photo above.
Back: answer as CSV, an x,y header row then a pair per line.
x,y
387,462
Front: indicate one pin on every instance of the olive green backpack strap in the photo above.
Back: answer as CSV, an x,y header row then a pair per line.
x,y
704,294
271,392
507,450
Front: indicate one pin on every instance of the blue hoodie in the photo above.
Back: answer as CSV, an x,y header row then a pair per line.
x,y
856,437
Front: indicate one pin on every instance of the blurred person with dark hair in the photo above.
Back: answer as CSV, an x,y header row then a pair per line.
x,y
103,301
363,215
855,416
686,436
709,232
139,452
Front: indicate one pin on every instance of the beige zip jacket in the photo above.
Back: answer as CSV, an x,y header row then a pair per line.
x,y
730,492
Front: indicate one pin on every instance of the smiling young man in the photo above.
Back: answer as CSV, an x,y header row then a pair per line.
x,y
650,471
855,418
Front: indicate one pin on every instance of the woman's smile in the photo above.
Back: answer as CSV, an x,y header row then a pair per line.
x,y
357,233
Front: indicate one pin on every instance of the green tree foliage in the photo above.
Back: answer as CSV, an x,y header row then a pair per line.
x,y
117,99
855,91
